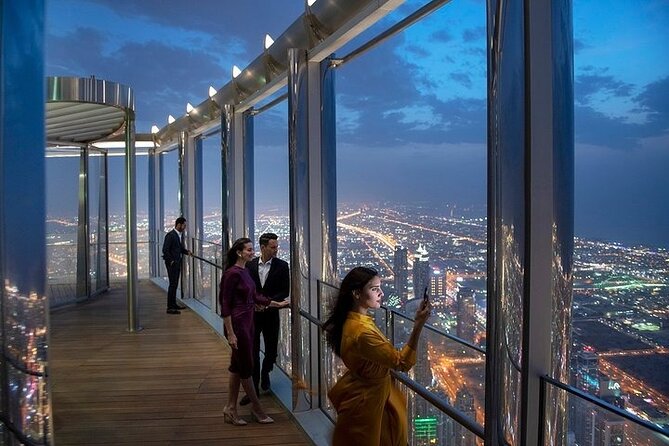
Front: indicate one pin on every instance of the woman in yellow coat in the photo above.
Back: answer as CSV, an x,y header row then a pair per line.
x,y
371,410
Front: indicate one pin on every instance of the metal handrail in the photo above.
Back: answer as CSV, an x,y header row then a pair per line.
x,y
207,261
603,404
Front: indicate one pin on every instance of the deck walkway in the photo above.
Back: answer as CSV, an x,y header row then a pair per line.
x,y
165,385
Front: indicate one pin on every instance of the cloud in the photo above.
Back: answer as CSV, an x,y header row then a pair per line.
x,y
462,78
442,36
474,34
654,100
588,85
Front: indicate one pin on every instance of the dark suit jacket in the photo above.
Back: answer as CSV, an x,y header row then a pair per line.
x,y
277,284
172,248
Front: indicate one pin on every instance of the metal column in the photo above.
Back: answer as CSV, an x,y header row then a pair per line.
x,y
24,394
530,214
155,211
131,222
240,176
83,226
227,116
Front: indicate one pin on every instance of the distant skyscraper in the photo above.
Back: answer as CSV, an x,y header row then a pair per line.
x,y
401,271
421,271
466,314
465,403
438,284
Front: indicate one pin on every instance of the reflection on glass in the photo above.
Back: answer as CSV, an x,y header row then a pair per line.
x,y
592,425
61,228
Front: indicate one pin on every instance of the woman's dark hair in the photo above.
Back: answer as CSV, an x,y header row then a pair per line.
x,y
356,279
231,255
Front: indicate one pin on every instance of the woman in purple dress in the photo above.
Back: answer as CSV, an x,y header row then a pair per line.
x,y
238,299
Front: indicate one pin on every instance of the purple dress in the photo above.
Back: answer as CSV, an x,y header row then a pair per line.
x,y
238,298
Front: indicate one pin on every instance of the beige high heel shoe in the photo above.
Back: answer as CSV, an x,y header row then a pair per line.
x,y
232,418
266,419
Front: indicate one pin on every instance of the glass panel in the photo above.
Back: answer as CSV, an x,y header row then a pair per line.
x,y
429,426
62,209
211,188
620,334
97,211
447,368
272,200
206,286
116,203
591,425
170,192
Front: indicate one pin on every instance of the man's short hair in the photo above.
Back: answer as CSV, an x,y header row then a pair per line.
x,y
179,221
266,237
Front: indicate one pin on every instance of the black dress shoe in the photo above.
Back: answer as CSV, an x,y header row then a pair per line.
x,y
180,307
173,311
245,401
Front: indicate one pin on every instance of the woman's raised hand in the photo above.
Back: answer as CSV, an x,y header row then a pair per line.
x,y
423,312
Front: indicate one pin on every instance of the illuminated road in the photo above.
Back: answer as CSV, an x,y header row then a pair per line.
x,y
436,231
385,239
450,379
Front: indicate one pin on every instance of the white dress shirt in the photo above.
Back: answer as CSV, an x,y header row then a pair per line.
x,y
263,270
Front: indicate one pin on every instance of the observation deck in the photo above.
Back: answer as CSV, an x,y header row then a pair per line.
x,y
165,387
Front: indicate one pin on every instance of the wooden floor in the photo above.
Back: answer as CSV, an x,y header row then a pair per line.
x,y
165,385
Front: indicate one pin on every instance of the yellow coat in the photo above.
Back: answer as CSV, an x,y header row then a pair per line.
x,y
371,410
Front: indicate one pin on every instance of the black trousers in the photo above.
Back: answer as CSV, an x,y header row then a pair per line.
x,y
266,324
173,272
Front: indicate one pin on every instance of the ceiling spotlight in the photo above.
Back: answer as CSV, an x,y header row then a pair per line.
x,y
310,2
170,119
212,92
236,71
268,41
154,129
189,108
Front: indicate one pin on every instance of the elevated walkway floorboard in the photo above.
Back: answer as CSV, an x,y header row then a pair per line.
x,y
165,385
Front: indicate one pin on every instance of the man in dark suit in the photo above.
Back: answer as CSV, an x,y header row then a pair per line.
x,y
272,278
173,249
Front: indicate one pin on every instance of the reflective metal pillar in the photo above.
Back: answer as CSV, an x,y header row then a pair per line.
x,y
240,171
530,214
25,407
298,173
131,222
227,116
83,227
248,170
155,222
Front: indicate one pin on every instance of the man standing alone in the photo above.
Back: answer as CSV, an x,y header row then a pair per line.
x,y
173,250
272,278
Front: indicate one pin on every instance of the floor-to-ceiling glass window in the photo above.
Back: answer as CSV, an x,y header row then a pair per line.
x,y
116,204
62,182
620,313
411,175
170,197
97,221
209,245
272,198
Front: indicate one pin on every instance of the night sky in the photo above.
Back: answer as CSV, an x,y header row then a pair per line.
x,y
411,113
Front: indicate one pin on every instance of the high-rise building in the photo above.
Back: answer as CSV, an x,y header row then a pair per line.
x,y
438,284
401,271
464,401
421,271
466,314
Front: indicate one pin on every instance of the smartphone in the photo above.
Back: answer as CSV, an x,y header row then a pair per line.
x,y
426,297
